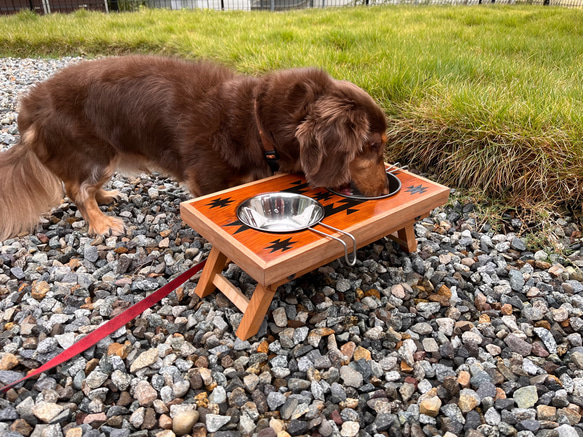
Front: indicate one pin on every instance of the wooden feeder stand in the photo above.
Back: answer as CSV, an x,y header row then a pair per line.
x,y
274,259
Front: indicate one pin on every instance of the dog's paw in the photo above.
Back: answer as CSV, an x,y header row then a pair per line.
x,y
109,226
104,197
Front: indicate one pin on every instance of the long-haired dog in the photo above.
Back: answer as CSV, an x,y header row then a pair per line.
x,y
198,122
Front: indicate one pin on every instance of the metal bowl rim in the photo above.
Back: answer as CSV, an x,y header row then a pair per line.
x,y
357,197
275,194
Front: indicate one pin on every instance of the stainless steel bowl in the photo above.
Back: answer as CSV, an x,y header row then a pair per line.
x,y
289,212
394,188
280,212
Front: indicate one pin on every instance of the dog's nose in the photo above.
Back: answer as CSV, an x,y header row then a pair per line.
x,y
384,189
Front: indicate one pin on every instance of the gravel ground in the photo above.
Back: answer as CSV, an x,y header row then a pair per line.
x,y
471,335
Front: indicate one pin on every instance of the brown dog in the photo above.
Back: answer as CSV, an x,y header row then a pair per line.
x,y
199,122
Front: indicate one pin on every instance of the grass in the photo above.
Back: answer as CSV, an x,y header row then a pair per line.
x,y
488,97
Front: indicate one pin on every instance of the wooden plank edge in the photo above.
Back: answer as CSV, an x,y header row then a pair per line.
x,y
231,292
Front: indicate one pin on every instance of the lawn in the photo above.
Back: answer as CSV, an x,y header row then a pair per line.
x,y
487,98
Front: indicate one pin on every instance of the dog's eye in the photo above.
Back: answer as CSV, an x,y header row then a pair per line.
x,y
375,146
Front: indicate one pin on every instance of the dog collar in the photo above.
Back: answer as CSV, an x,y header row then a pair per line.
x,y
272,158
271,155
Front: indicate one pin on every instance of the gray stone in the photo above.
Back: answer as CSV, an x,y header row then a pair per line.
x,y
275,400
214,422
137,417
577,358
492,417
218,395
280,317
91,254
566,431
325,429
486,389
516,280
547,338
526,397
48,345
518,345
518,244
96,378
453,412
121,380
8,414
351,377
343,285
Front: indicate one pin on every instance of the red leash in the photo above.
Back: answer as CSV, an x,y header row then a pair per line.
x,y
113,325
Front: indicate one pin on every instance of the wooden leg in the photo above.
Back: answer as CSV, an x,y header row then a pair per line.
x,y
256,311
407,236
214,266
253,312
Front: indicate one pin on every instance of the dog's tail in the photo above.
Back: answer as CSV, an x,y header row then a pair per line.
x,y
27,190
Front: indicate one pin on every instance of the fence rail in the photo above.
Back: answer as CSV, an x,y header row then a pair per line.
x,y
50,6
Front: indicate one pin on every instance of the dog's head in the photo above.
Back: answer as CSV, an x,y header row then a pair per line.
x,y
338,128
342,142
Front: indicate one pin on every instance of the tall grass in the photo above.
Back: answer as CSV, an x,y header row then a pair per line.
x,y
489,97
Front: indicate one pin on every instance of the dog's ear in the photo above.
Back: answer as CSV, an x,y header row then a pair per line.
x,y
301,93
330,137
282,98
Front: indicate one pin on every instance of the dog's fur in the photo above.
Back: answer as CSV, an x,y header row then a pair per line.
x,y
196,121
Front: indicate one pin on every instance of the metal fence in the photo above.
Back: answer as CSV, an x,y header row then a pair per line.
x,y
50,6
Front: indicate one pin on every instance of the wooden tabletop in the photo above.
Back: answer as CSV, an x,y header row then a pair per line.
x,y
274,257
